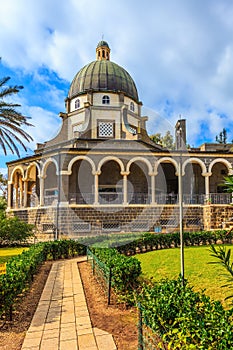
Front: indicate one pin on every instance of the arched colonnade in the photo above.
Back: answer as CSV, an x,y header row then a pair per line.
x,y
111,180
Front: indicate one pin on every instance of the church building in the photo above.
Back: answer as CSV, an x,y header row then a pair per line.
x,y
102,173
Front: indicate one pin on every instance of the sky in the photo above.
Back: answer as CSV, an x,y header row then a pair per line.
x,y
179,53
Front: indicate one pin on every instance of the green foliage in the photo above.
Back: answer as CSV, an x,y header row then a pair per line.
x,y
154,241
125,270
185,319
13,230
3,204
228,184
223,256
63,249
21,269
222,137
166,141
12,122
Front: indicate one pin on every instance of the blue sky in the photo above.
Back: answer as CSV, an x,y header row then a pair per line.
x,y
179,53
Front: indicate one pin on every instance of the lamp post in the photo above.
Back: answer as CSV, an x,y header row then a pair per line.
x,y
181,146
181,219
58,199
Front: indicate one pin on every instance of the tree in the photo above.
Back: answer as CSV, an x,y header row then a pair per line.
x,y
228,184
224,259
222,137
3,186
166,141
11,121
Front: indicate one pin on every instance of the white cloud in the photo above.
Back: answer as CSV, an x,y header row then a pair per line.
x,y
180,53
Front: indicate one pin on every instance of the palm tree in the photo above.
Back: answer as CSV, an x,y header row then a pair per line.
x,y
228,183
11,121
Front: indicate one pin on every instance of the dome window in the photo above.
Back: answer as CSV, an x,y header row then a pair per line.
x,y
132,106
106,100
77,104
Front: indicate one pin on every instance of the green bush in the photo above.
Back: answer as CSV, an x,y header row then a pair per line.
x,y
14,231
21,269
186,319
152,241
125,270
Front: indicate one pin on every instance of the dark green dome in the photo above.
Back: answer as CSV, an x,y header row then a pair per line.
x,y
104,76
102,43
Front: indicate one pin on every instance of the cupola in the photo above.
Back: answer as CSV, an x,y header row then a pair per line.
x,y
103,51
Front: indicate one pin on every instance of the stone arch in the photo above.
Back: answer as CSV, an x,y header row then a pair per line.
x,y
141,159
80,180
195,161
223,161
14,171
166,182
107,159
29,169
46,164
166,160
77,158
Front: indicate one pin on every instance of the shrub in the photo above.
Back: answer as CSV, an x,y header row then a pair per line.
x,y
14,231
125,270
186,319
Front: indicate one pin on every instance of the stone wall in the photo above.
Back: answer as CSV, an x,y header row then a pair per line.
x,y
82,221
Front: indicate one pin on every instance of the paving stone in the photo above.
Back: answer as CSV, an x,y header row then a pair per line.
x,y
86,341
48,344
105,342
69,345
51,333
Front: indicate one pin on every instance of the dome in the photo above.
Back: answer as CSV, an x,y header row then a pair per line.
x,y
103,75
102,43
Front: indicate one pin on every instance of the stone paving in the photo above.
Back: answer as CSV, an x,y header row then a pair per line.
x,y
62,321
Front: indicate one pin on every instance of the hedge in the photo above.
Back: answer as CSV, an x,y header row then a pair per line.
x,y
21,269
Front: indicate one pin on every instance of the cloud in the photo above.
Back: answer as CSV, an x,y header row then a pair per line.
x,y
180,54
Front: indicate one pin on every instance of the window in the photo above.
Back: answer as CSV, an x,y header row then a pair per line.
x,y
77,104
106,100
132,106
106,129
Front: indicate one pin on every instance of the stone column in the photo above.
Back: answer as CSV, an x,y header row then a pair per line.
x,y
125,189
152,177
96,187
207,184
42,178
9,194
25,191
64,188
16,195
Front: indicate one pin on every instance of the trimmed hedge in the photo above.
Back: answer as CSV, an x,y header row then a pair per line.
x,y
154,241
125,270
21,269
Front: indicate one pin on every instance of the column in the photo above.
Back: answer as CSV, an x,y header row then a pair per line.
x,y
9,194
41,189
125,187
21,193
25,190
64,188
152,176
96,187
207,185
16,195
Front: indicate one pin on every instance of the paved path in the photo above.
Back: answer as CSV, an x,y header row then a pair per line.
x,y
62,321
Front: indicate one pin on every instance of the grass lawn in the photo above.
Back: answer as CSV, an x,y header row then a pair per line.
x,y
7,253
201,275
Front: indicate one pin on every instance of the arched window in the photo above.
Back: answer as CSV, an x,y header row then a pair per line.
x,y
106,100
132,106
77,104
